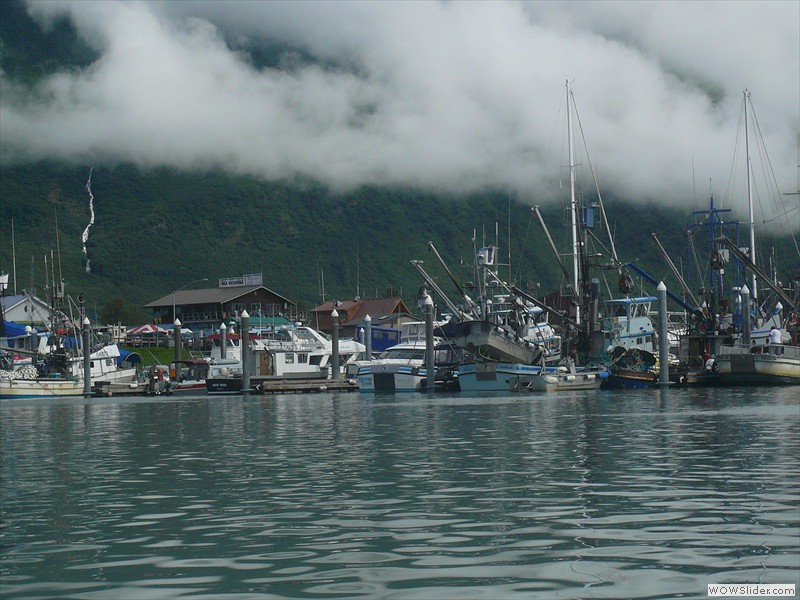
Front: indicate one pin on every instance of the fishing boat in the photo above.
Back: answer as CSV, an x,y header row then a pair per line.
x,y
732,309
599,328
502,330
60,374
771,364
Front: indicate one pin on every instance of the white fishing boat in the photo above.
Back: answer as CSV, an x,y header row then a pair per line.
x,y
730,320
772,364
401,368
60,374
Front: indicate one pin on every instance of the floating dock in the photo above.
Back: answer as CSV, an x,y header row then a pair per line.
x,y
282,386
287,386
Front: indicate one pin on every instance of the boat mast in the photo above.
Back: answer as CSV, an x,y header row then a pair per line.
x,y
753,289
573,209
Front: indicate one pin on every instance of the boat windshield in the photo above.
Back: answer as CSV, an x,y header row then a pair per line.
x,y
403,354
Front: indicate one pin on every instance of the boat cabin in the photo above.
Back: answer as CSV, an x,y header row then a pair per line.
x,y
626,322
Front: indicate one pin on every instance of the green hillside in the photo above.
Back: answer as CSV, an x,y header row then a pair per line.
x,y
157,230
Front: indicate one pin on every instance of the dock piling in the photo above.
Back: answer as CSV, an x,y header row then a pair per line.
x,y
246,358
663,339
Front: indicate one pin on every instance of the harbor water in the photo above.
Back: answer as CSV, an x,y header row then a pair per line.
x,y
632,494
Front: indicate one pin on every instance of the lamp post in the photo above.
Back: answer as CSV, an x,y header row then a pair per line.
x,y
174,316
3,286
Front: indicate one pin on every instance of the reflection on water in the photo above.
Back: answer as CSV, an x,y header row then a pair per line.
x,y
584,495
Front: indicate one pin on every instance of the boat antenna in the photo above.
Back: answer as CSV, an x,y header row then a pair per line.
x,y
58,245
573,210
510,273
753,289
358,272
14,256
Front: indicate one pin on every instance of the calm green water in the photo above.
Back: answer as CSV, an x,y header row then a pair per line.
x,y
586,495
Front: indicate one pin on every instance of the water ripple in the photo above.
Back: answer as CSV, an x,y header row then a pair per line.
x,y
343,496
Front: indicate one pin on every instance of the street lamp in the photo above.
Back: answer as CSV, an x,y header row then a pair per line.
x,y
3,286
175,316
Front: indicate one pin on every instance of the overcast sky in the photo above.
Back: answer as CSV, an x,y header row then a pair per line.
x,y
456,96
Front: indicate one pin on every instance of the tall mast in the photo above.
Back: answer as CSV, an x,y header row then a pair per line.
x,y
753,289
573,209
14,256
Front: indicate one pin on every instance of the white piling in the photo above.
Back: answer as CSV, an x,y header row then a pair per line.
x,y
663,339
368,336
335,343
245,348
223,341
87,361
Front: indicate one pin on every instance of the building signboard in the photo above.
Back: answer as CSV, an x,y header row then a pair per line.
x,y
243,281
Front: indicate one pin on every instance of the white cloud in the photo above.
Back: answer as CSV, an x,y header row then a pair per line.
x,y
448,96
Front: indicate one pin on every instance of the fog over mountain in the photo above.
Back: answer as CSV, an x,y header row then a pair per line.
x,y
443,96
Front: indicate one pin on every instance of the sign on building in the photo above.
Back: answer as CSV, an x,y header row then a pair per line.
x,y
243,281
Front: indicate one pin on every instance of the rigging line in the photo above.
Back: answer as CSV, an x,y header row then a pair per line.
x,y
615,261
735,158
767,169
701,275
596,185
764,155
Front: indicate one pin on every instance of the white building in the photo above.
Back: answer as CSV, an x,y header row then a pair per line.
x,y
26,309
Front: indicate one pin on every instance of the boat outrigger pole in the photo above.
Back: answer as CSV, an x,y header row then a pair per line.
x,y
675,271
552,244
457,313
560,316
447,270
745,260
680,301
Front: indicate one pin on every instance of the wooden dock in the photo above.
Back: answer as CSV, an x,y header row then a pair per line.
x,y
287,386
277,386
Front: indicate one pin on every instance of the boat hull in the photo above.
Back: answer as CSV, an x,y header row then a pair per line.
x,y
560,382
391,378
492,342
492,376
224,385
623,379
771,365
40,388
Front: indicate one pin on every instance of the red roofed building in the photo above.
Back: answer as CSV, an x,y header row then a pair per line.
x,y
384,312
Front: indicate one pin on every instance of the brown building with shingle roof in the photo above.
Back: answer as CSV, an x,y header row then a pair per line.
x,y
384,312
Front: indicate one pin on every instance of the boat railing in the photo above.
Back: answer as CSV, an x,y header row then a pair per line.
x,y
289,346
773,349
